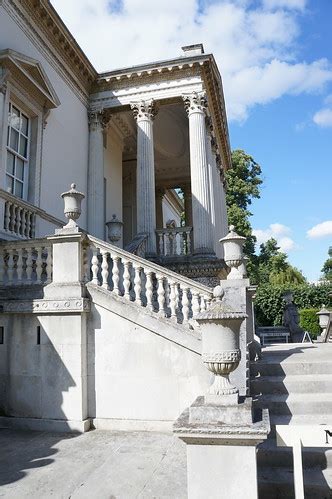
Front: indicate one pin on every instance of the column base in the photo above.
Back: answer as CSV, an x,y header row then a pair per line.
x,y
221,457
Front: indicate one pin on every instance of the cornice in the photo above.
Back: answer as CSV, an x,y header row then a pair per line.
x,y
40,22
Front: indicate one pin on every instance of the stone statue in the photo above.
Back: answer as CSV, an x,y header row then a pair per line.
x,y
291,319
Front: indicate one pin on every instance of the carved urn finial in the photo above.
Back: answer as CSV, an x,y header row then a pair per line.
x,y
114,228
221,354
72,210
233,252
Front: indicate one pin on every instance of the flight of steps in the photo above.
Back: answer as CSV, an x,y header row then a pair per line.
x,y
295,383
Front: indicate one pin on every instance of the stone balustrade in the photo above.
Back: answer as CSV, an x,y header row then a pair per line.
x,y
19,217
145,283
174,242
25,262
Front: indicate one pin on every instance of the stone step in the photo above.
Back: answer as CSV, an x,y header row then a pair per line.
x,y
278,483
269,455
275,367
296,403
314,383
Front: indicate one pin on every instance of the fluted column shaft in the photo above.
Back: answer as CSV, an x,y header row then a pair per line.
x,y
95,197
203,240
144,113
212,189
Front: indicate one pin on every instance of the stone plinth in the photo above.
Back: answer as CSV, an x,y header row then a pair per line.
x,y
221,457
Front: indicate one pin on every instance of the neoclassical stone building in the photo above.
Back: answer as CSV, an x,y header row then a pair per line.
x,y
84,321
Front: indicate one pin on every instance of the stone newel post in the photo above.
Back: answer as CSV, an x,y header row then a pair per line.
x,y
219,428
144,113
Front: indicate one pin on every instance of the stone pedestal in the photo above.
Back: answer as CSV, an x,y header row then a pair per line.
x,y
221,448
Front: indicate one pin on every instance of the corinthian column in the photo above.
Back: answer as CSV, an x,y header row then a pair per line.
x,y
95,198
144,113
195,105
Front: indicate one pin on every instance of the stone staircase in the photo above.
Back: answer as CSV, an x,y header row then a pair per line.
x,y
295,383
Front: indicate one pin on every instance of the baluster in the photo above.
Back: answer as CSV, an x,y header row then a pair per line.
x,y
48,264
182,243
161,295
15,217
167,296
126,279
149,290
116,274
23,222
185,303
12,218
2,264
19,220
32,225
39,264
188,242
6,219
137,284
10,265
95,266
104,269
19,265
203,304
195,303
160,243
208,300
168,244
173,304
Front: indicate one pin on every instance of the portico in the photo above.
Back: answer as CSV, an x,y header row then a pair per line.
x,y
174,140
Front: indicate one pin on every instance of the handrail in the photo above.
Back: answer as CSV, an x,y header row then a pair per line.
x,y
30,207
154,266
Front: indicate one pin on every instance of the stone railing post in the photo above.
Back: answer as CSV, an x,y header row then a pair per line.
x,y
218,428
68,326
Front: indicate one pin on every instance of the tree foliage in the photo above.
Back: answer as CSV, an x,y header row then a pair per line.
x,y
269,304
327,267
243,181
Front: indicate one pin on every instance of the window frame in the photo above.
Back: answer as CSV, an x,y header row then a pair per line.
x,y
17,155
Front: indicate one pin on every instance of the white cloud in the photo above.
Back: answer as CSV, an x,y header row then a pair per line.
x,y
320,230
279,232
323,117
287,4
254,46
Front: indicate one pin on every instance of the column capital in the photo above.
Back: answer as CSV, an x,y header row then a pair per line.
x,y
144,110
195,103
98,119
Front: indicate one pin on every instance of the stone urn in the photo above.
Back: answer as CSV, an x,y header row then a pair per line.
x,y
323,316
233,253
114,230
221,354
72,210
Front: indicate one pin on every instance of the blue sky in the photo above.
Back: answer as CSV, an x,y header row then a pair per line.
x,y
275,57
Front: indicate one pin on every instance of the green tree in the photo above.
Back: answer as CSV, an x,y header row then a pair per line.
x,y
243,183
274,268
327,267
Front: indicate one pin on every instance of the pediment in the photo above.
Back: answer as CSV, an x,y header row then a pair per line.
x,y
31,73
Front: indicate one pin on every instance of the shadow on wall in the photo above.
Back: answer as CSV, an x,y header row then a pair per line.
x,y
34,380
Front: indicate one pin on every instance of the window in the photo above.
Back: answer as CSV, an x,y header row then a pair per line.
x,y
18,142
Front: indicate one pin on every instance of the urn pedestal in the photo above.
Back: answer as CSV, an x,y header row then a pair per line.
x,y
219,428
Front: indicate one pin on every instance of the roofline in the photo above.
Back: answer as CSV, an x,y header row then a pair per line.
x,y
155,65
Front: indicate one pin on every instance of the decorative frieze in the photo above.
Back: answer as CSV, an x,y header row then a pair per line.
x,y
45,306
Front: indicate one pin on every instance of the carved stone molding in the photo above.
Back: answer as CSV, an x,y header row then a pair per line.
x,y
144,110
195,102
227,356
46,306
99,119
